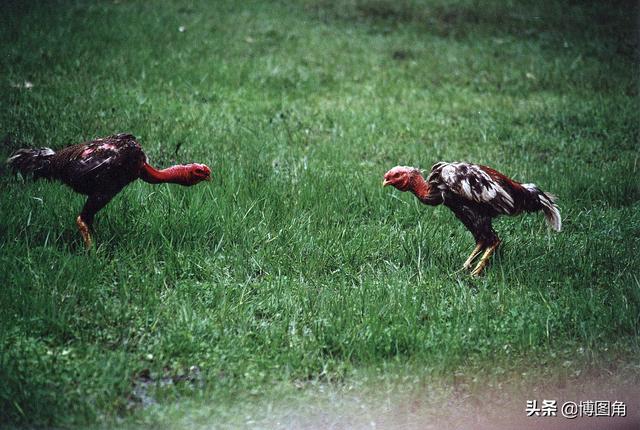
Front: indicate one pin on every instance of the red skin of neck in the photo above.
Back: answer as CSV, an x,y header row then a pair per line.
x,y
180,174
420,188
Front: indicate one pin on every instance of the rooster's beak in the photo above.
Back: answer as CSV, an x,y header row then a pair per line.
x,y
385,182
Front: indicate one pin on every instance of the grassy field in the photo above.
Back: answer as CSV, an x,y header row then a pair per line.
x,y
294,265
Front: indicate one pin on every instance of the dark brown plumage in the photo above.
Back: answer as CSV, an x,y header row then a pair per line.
x,y
100,169
476,194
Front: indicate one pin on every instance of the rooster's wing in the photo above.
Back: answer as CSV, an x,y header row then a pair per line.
x,y
474,183
101,166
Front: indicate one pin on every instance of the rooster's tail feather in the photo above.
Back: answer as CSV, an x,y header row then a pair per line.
x,y
551,211
549,207
34,161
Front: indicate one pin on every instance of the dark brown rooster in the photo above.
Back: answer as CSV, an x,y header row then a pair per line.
x,y
476,194
100,169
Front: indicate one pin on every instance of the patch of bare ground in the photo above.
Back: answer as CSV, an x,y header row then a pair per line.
x,y
417,403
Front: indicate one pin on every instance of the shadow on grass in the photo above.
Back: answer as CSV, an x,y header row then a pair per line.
x,y
523,19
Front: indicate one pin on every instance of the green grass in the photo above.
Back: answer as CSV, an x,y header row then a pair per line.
x,y
294,264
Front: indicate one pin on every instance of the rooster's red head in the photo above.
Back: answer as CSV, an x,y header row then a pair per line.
x,y
401,177
198,173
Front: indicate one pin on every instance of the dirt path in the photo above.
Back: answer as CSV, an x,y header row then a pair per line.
x,y
418,404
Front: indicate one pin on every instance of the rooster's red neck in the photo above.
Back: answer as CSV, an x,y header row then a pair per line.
x,y
179,174
420,188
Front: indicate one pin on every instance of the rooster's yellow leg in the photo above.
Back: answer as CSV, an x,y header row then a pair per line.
x,y
474,254
485,259
84,231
